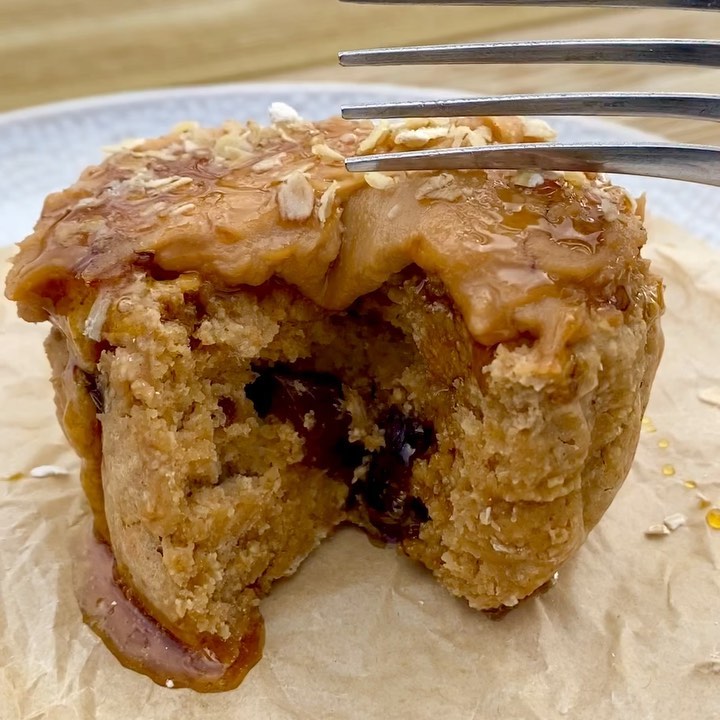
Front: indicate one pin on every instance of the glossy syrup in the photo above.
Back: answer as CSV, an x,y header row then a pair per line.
x,y
140,643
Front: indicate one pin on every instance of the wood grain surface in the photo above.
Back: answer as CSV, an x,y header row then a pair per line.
x,y
57,49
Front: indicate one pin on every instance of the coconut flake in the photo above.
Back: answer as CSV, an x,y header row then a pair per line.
x,y
281,112
536,129
377,136
96,318
327,154
421,136
167,183
528,179
296,197
326,202
269,163
126,145
674,521
439,187
379,181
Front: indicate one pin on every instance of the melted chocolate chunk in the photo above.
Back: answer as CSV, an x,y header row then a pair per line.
x,y
229,409
95,392
312,402
385,490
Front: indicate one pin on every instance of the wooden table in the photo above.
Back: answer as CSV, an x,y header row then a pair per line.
x,y
56,49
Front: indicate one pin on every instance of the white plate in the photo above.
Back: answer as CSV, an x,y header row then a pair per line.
x,y
44,148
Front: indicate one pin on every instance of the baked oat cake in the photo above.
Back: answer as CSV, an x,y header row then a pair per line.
x,y
250,346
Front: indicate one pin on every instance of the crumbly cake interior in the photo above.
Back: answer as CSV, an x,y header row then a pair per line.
x,y
266,421
251,346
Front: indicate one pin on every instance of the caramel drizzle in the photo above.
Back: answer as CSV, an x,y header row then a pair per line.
x,y
140,643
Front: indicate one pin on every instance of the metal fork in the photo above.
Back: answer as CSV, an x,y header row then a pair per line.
x,y
693,163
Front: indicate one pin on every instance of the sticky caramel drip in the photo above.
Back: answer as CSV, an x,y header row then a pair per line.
x,y
141,644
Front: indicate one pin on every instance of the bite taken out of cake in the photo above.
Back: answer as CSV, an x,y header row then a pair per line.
x,y
251,345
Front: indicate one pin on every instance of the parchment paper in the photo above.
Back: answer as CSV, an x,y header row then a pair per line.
x,y
632,629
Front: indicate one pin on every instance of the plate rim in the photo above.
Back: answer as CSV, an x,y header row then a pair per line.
x,y
129,97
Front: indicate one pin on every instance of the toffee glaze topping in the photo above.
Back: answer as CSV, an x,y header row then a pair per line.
x,y
243,204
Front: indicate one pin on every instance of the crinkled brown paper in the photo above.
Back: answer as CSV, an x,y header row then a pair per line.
x,y
631,631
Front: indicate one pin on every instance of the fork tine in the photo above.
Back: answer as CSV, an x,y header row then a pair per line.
x,y
696,106
700,53
692,163
678,4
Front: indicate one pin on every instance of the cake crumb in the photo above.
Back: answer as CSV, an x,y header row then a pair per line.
x,y
417,138
657,530
710,395
579,180
43,471
186,126
169,683
674,521
537,129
